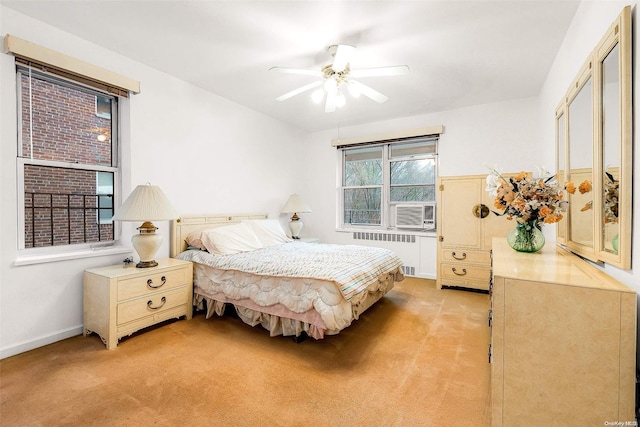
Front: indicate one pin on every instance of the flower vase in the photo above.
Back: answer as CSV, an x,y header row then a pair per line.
x,y
614,243
526,237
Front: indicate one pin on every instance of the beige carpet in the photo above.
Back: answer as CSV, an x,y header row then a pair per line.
x,y
417,358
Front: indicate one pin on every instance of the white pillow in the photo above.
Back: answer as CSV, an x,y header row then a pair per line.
x,y
195,239
230,239
269,231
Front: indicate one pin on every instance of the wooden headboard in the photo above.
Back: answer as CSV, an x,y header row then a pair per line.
x,y
181,227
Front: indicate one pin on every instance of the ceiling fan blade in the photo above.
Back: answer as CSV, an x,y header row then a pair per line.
x,y
330,105
296,71
371,93
343,55
395,70
299,90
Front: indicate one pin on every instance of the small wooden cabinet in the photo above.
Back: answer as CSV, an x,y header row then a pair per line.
x,y
466,227
563,341
121,299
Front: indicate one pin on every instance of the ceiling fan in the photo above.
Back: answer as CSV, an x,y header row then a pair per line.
x,y
337,77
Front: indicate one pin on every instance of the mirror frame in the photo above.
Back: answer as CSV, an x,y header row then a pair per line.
x,y
561,164
618,34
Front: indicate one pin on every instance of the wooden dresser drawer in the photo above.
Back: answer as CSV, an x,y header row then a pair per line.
x,y
465,275
458,255
156,281
465,272
152,304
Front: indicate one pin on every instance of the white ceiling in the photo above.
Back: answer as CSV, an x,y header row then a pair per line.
x,y
460,53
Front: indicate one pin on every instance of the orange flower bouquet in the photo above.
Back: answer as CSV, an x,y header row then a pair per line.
x,y
527,199
531,201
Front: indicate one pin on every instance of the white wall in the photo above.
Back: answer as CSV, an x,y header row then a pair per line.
x,y
195,145
505,134
590,23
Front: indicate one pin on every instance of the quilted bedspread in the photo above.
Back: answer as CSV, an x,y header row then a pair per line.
x,y
352,268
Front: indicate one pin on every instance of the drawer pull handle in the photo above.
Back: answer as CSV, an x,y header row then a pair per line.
x,y
463,257
150,283
163,301
464,271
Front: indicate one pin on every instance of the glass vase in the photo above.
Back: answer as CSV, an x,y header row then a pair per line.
x,y
526,237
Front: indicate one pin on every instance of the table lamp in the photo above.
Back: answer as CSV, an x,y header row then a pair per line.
x,y
295,205
146,203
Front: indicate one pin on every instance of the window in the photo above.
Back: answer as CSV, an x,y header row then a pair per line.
x,y
378,176
67,165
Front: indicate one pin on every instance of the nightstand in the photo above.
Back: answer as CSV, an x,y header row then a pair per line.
x,y
122,299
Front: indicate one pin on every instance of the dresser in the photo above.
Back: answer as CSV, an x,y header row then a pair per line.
x,y
563,341
465,228
119,300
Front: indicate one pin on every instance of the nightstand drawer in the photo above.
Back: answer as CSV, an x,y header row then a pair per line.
x,y
152,304
125,329
157,281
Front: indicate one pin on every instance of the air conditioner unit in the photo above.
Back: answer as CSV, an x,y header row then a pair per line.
x,y
421,216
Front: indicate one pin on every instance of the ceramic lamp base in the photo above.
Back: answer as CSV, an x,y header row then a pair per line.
x,y
146,245
295,226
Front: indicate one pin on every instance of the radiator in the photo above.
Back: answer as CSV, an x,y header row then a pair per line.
x,y
389,237
384,237
408,271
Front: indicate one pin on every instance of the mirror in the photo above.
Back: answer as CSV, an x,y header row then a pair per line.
x,y
593,151
610,150
580,139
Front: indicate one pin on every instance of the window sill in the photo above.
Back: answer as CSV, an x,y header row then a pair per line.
x,y
29,259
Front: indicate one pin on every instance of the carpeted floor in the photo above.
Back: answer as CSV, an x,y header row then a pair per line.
x,y
416,358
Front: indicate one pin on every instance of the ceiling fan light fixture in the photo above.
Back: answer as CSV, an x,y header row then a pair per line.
x,y
336,78
330,84
317,96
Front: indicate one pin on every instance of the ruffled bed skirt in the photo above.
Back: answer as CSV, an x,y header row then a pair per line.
x,y
279,320
276,325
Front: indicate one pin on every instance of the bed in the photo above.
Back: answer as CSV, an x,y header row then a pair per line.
x,y
289,287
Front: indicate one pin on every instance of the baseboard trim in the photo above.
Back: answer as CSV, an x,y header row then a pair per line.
x,y
24,346
423,276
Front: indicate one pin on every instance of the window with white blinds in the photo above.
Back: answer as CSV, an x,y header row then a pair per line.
x,y
379,175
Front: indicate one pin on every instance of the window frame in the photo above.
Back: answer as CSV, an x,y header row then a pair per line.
x,y
386,204
39,254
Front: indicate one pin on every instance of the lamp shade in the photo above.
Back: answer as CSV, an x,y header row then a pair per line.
x,y
295,204
146,203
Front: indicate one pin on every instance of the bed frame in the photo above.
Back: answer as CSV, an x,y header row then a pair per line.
x,y
181,227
